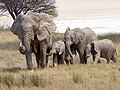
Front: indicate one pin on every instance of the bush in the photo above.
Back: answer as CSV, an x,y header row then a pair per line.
x,y
57,36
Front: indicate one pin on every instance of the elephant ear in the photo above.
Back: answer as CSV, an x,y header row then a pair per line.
x,y
42,33
46,26
16,27
62,47
78,37
93,50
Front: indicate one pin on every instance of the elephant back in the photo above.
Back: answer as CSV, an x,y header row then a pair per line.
x,y
105,44
90,34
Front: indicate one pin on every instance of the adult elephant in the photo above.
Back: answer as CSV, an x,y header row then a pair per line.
x,y
77,39
35,33
58,52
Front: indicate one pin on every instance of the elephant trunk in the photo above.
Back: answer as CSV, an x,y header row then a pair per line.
x,y
69,51
25,45
22,48
51,52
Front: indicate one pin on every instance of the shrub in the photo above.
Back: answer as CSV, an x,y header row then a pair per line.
x,y
115,37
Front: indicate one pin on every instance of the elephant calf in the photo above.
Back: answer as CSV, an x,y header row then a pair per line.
x,y
102,48
58,51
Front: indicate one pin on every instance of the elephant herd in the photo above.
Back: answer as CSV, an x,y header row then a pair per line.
x,y
35,34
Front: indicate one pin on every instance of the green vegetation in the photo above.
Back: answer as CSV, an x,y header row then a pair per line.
x,y
14,76
58,36
115,37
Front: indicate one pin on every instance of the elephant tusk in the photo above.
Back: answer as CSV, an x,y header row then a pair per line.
x,y
47,54
20,44
88,56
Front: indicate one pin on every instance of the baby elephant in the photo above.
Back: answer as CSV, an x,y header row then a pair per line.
x,y
58,51
102,48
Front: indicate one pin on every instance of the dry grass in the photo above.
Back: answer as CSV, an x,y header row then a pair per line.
x,y
14,76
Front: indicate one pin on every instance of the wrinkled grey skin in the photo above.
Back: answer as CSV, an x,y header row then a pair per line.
x,y
76,40
102,48
35,33
58,52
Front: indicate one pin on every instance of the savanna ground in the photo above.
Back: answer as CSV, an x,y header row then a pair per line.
x,y
14,76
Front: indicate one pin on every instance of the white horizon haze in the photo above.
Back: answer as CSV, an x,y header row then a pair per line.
x,y
103,16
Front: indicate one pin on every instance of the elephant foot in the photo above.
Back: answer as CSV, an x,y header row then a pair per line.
x,y
94,62
43,66
99,61
67,61
81,62
31,71
55,65
71,62
29,68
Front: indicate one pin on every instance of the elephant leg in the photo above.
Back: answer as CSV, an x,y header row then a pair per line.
x,y
61,59
108,61
93,57
47,56
37,60
114,57
108,57
67,61
29,60
71,61
58,59
54,59
84,59
80,56
43,48
47,60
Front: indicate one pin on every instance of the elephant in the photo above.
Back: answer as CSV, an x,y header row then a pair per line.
x,y
34,30
76,40
104,48
58,52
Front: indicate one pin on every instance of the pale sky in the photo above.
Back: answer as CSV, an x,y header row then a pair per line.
x,y
77,8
